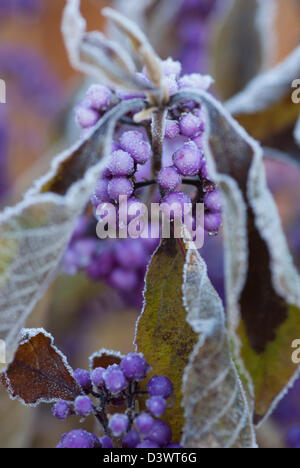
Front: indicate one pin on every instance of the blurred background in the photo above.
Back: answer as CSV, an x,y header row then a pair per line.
x,y
37,122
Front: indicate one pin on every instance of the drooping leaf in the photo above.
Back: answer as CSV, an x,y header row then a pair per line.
x,y
246,29
215,405
34,233
170,341
104,358
262,283
265,107
39,372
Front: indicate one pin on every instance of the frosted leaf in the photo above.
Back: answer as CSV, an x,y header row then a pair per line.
x,y
35,232
215,406
104,358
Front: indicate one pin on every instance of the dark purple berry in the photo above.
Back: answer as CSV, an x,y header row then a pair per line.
x,y
61,410
160,386
134,366
144,423
160,433
131,440
83,379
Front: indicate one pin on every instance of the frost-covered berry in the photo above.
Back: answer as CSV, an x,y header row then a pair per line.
x,y
176,203
83,405
83,379
188,159
78,439
195,81
106,442
99,96
121,163
131,440
160,433
114,379
156,405
100,194
134,143
134,366
61,410
160,386
147,444
97,376
171,67
124,280
213,201
120,186
190,125
171,84
212,222
118,424
86,117
144,423
169,178
172,129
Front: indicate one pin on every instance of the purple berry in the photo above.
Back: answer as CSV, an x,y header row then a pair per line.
x,y
130,254
78,439
114,379
144,423
86,117
213,201
118,424
131,440
61,410
121,163
106,442
101,265
134,366
172,129
97,376
293,437
160,386
147,444
83,405
175,203
168,178
125,280
160,433
100,194
84,250
83,379
156,405
188,160
99,96
212,222
120,186
190,125
136,146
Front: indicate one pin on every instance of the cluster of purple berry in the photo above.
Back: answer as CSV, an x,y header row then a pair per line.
x,y
118,385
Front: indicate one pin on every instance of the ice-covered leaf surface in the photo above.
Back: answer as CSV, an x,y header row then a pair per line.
x,y
34,233
215,406
265,108
262,283
39,372
246,28
182,334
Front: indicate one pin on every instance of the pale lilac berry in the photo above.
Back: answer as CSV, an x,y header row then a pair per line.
x,y
97,376
83,379
134,366
213,201
106,442
195,81
78,439
130,254
172,129
212,222
134,143
120,186
86,117
160,386
190,125
131,440
118,424
121,163
160,433
188,160
61,410
169,178
124,280
99,96
144,423
83,405
156,405
176,204
171,67
171,84
114,379
100,194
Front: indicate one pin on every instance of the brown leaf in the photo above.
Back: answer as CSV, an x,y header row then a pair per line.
x,y
104,358
39,372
